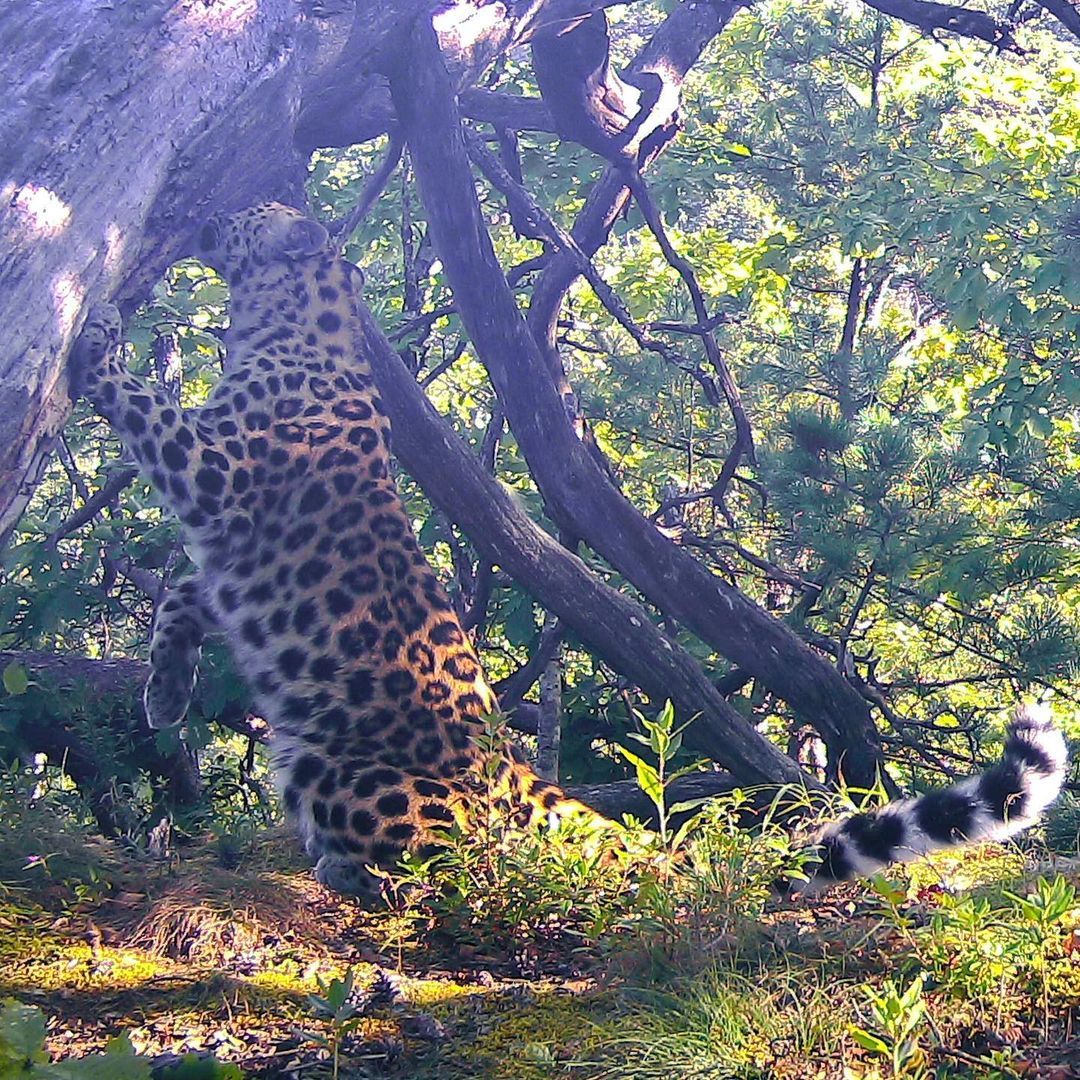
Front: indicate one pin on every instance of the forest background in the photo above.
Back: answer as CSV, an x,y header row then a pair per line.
x,y
861,418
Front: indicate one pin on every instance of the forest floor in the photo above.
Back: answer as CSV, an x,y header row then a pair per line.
x,y
237,959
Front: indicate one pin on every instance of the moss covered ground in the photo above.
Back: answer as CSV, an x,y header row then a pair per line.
x,y
944,972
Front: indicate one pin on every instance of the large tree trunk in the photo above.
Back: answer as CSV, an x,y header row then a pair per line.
x,y
121,125
124,125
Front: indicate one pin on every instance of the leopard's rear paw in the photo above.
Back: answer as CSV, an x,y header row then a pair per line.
x,y
168,694
94,353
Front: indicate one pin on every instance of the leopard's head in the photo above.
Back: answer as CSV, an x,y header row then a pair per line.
x,y
235,244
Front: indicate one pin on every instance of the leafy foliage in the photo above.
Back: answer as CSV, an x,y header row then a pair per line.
x,y
22,1041
886,229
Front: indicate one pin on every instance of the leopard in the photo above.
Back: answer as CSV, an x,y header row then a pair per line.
x,y
308,564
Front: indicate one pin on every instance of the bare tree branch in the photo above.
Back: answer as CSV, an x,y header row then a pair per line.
x,y
578,496
744,438
374,187
516,685
506,110
1066,12
930,16
93,504
524,206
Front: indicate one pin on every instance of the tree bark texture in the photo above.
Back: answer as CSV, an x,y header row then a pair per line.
x,y
549,723
125,125
124,680
114,746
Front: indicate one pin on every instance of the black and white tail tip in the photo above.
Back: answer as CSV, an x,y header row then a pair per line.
x,y
1004,800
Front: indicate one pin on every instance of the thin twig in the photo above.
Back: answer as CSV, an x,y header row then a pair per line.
x,y
445,364
347,225
93,504
524,204
744,436
422,322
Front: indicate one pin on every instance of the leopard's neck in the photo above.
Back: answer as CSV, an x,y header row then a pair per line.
x,y
297,314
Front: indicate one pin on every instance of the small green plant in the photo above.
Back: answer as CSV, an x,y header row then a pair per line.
x,y
1042,910
898,1018
665,741
337,1005
499,886
674,893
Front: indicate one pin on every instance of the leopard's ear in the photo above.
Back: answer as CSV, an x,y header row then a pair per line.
x,y
304,239
210,236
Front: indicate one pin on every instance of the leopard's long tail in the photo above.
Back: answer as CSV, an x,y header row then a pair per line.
x,y
1007,798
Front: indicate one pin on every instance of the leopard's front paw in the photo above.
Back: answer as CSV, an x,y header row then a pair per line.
x,y
95,353
167,694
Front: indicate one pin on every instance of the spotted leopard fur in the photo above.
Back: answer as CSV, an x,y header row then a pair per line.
x,y
994,805
307,560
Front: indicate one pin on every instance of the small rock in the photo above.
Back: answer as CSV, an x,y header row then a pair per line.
x,y
423,1026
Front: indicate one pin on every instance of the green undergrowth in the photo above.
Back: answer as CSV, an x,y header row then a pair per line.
x,y
904,977
582,952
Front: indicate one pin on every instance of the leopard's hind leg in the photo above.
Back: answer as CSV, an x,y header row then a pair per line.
x,y
182,620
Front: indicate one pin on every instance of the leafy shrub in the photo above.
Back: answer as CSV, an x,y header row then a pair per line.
x,y
500,887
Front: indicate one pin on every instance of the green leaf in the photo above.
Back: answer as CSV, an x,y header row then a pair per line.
x,y
22,1030
648,779
966,316
868,1041
198,735
16,679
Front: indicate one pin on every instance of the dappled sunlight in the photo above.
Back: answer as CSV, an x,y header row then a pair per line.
x,y
40,213
461,23
115,245
757,536
224,17
69,295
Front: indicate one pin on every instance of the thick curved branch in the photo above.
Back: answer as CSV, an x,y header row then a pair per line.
x,y
619,629
593,106
669,55
578,495
509,111
525,208
588,101
1065,11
